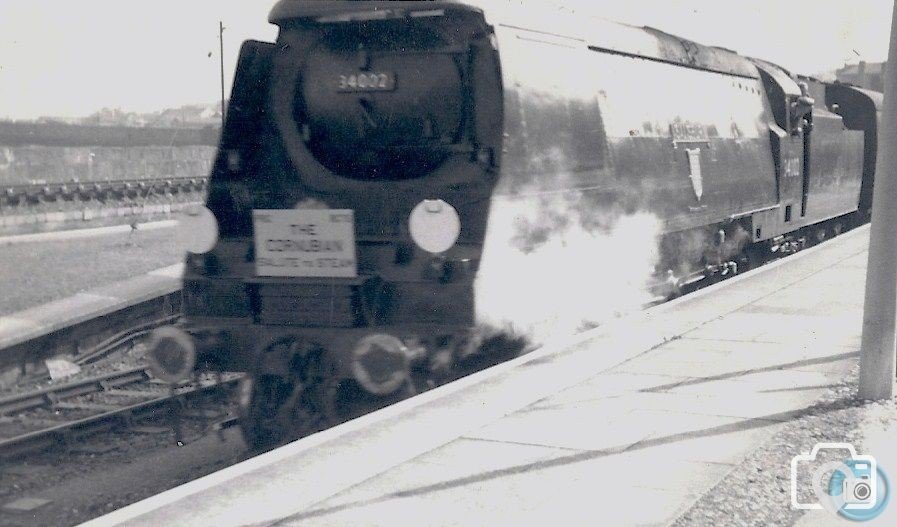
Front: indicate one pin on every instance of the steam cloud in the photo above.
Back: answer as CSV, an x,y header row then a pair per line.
x,y
553,267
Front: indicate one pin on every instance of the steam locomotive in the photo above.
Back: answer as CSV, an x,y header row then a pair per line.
x,y
371,153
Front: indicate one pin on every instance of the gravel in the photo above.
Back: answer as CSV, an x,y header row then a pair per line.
x,y
757,492
110,470
121,359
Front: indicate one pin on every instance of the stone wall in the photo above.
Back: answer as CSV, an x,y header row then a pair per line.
x,y
55,176
41,165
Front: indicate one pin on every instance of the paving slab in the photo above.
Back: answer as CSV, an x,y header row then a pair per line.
x,y
611,428
605,385
747,404
740,384
727,445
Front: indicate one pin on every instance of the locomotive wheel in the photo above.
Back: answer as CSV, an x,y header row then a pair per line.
x,y
315,397
751,258
320,405
338,399
494,349
259,424
283,409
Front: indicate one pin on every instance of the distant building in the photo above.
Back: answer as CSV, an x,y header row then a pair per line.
x,y
53,119
114,117
868,75
190,116
187,116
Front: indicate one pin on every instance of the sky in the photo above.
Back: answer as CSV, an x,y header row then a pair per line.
x,y
69,58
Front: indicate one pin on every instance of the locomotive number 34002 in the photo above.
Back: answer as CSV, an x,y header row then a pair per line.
x,y
375,81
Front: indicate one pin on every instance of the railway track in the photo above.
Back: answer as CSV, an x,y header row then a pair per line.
x,y
21,194
60,416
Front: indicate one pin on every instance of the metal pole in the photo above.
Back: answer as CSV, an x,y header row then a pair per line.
x,y
221,56
879,345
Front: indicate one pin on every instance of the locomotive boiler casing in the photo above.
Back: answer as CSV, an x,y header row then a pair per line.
x,y
607,120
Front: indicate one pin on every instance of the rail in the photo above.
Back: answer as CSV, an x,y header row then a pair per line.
x,y
67,432
15,195
49,396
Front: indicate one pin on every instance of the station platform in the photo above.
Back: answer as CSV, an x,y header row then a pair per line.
x,y
627,424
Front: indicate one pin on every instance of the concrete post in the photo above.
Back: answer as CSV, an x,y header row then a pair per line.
x,y
879,345
221,57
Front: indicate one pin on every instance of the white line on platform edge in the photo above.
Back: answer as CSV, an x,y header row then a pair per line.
x,y
84,233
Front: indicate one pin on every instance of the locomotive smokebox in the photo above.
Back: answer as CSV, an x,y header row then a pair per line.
x,y
377,106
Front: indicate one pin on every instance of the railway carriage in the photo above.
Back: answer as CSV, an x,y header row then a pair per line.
x,y
369,152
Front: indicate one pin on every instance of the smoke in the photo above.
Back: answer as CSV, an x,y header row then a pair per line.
x,y
554,265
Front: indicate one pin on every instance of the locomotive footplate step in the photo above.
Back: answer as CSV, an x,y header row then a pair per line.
x,y
656,407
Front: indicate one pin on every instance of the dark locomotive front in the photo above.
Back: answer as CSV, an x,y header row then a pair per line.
x,y
350,192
